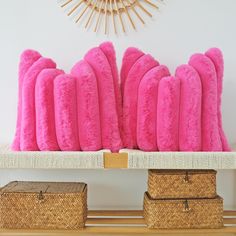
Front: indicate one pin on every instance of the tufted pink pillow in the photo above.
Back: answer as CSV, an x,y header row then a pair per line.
x,y
27,59
211,140
88,115
147,108
190,109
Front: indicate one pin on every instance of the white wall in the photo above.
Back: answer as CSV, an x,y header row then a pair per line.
x,y
181,28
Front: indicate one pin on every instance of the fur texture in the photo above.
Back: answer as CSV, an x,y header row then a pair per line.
x,y
66,113
210,133
110,53
28,123
216,56
45,115
131,55
190,109
87,107
111,138
136,73
147,108
27,59
168,114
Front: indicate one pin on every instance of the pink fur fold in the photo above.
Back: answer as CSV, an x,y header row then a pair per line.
x,y
87,107
190,109
110,53
45,115
147,108
210,133
27,59
216,56
111,138
131,55
136,73
28,122
66,113
168,114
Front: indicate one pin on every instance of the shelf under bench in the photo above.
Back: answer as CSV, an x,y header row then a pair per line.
x,y
127,222
126,159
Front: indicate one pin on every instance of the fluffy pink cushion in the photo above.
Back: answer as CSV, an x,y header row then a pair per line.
x,y
45,115
190,109
27,59
87,107
111,138
109,51
28,122
168,114
131,55
136,73
66,113
147,108
216,56
211,140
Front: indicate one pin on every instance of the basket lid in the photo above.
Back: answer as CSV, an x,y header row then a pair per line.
x,y
180,172
45,187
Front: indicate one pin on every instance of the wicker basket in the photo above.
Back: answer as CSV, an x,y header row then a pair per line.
x,y
164,184
183,214
41,205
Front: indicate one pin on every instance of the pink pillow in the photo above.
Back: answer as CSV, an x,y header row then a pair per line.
x,y
87,107
111,137
27,59
66,113
110,53
136,73
217,58
45,113
28,122
190,109
168,114
211,140
147,108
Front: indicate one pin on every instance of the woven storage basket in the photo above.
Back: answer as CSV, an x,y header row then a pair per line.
x,y
41,205
164,184
183,214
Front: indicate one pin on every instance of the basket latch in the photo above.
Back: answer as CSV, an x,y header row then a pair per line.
x,y
186,177
186,207
40,196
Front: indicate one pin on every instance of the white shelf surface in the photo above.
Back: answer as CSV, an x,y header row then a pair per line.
x,y
180,160
127,159
50,160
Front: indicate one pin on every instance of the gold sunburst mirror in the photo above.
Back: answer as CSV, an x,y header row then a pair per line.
x,y
98,13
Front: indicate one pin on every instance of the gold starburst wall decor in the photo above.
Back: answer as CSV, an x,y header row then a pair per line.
x,y
103,13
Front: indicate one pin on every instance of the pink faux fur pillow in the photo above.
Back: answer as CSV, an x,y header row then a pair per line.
x,y
27,59
190,109
109,51
28,120
211,140
111,137
91,109
66,113
45,113
88,114
217,58
135,75
168,114
147,108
